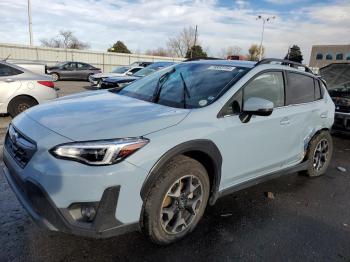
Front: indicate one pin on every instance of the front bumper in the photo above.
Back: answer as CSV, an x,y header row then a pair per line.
x,y
44,212
341,122
63,183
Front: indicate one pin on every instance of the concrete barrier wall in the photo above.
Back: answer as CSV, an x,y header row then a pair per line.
x,y
50,56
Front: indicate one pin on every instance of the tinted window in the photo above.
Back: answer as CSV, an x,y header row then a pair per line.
x,y
70,66
134,70
300,89
8,71
269,86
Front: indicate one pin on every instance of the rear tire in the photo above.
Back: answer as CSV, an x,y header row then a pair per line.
x,y
20,104
319,154
177,200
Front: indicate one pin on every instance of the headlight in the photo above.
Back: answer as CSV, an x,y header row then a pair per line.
x,y
97,153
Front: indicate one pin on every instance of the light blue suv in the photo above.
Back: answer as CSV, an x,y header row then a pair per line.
x,y
154,154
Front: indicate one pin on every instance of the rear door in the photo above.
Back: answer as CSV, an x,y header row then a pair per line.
x,y
305,105
9,83
83,70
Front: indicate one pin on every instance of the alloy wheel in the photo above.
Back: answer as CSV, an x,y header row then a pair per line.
x,y
321,154
181,203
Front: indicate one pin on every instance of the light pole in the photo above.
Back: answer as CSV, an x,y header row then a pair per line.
x,y
30,23
264,19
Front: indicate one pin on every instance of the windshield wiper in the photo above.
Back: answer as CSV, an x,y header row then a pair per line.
x,y
159,86
186,91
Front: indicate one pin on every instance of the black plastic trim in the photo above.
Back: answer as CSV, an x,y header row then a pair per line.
x,y
204,146
44,212
261,179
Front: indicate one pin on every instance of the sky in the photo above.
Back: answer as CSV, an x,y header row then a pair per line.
x,y
147,24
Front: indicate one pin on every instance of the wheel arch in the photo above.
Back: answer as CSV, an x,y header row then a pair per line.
x,y
204,151
19,96
310,138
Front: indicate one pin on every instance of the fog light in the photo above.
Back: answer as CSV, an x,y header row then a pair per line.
x,y
88,213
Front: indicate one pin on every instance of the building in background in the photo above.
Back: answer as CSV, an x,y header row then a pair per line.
x,y
323,55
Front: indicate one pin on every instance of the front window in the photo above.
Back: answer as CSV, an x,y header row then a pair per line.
x,y
120,69
269,86
185,85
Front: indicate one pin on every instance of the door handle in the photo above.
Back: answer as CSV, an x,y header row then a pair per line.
x,y
285,121
9,80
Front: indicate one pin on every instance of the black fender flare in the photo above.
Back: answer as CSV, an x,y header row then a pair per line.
x,y
207,147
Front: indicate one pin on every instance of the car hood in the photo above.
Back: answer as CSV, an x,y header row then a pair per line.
x,y
104,115
118,79
103,75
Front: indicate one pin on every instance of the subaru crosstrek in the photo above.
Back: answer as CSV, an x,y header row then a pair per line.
x,y
154,154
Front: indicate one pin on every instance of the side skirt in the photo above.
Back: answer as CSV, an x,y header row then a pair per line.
x,y
300,167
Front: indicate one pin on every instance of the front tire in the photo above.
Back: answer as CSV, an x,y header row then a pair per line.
x,y
176,202
319,154
55,77
20,104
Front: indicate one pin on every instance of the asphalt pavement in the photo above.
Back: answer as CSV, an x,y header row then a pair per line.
x,y
301,219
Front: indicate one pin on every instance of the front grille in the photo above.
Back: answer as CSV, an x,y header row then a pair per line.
x,y
19,147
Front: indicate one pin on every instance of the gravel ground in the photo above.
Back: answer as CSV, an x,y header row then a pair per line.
x,y
307,220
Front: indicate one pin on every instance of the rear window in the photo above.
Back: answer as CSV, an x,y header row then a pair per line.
x,y
301,89
8,71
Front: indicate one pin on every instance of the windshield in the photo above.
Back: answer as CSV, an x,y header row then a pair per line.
x,y
185,85
120,69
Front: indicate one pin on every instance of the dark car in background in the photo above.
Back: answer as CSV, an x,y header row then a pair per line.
x,y
72,71
121,81
337,77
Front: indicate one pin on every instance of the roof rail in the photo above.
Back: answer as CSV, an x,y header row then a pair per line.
x,y
284,62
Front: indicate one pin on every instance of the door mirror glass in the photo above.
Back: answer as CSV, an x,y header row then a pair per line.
x,y
258,106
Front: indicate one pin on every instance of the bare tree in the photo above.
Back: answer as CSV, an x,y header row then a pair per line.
x,y
65,39
254,52
180,44
230,51
160,51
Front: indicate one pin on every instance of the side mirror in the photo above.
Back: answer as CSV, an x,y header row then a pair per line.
x,y
256,106
129,74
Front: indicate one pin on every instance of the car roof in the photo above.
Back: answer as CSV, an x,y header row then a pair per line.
x,y
222,62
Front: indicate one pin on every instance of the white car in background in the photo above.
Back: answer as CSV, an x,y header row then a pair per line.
x,y
96,79
21,89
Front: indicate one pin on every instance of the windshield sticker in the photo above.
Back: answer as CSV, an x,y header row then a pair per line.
x,y
203,102
222,68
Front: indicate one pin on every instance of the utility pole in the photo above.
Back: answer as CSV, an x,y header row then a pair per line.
x,y
195,39
264,20
30,23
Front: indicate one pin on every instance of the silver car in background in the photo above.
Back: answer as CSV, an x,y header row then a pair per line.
x,y
96,79
21,89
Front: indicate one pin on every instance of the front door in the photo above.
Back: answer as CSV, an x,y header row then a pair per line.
x,y
265,143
